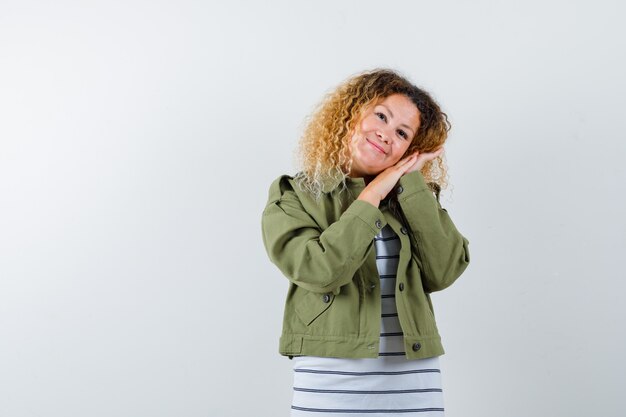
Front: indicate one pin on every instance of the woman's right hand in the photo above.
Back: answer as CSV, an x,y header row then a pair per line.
x,y
384,182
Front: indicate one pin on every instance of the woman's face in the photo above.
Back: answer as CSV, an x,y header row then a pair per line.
x,y
383,135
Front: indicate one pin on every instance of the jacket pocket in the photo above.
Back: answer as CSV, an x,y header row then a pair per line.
x,y
311,305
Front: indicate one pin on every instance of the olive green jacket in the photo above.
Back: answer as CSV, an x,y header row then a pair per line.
x,y
326,250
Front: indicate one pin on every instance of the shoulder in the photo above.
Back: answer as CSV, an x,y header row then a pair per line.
x,y
282,185
286,196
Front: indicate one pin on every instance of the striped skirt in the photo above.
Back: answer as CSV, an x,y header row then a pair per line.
x,y
383,386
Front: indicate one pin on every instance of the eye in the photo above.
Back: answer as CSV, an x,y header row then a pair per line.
x,y
382,116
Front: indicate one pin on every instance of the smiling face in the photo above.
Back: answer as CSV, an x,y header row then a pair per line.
x,y
383,135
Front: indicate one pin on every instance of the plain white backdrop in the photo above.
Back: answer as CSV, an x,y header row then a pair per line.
x,y
137,143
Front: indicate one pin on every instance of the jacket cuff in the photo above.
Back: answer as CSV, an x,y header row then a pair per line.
x,y
368,213
410,184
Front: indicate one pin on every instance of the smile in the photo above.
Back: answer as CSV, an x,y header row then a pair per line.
x,y
378,148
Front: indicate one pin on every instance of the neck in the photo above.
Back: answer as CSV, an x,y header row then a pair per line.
x,y
356,174
368,178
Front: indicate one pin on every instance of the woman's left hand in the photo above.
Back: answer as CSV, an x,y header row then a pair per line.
x,y
422,158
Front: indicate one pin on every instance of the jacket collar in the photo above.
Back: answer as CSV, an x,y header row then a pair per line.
x,y
355,184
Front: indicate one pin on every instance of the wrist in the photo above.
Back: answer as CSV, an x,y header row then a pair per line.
x,y
369,197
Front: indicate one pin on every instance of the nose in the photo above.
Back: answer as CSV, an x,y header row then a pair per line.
x,y
383,136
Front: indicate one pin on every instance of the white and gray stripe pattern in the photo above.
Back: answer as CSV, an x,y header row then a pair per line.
x,y
389,385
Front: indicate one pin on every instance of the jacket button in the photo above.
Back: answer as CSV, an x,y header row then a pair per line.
x,y
403,230
416,346
399,189
326,298
379,224
401,286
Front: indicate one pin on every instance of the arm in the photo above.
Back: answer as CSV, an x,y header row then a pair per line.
x,y
314,259
443,251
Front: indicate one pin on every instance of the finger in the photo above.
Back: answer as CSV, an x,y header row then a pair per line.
x,y
408,166
432,155
405,160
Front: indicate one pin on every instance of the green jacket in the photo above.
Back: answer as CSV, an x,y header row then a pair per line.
x,y
326,250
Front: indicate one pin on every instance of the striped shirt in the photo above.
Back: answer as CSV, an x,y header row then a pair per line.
x,y
385,386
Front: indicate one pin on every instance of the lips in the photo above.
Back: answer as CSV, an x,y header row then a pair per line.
x,y
376,146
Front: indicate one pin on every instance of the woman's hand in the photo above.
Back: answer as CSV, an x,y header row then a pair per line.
x,y
384,182
423,158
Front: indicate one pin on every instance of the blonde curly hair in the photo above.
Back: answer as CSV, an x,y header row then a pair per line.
x,y
323,151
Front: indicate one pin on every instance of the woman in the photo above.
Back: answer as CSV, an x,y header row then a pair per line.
x,y
364,241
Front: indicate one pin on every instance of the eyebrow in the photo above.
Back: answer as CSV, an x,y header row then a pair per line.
x,y
403,124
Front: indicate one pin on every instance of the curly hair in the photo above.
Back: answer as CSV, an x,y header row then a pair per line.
x,y
323,150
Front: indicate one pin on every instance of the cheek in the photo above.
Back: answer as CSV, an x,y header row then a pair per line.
x,y
353,141
405,146
399,152
396,159
353,144
368,123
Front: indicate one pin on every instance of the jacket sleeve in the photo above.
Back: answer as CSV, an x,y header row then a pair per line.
x,y
441,248
317,260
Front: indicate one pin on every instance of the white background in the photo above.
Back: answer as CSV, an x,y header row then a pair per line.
x,y
138,141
